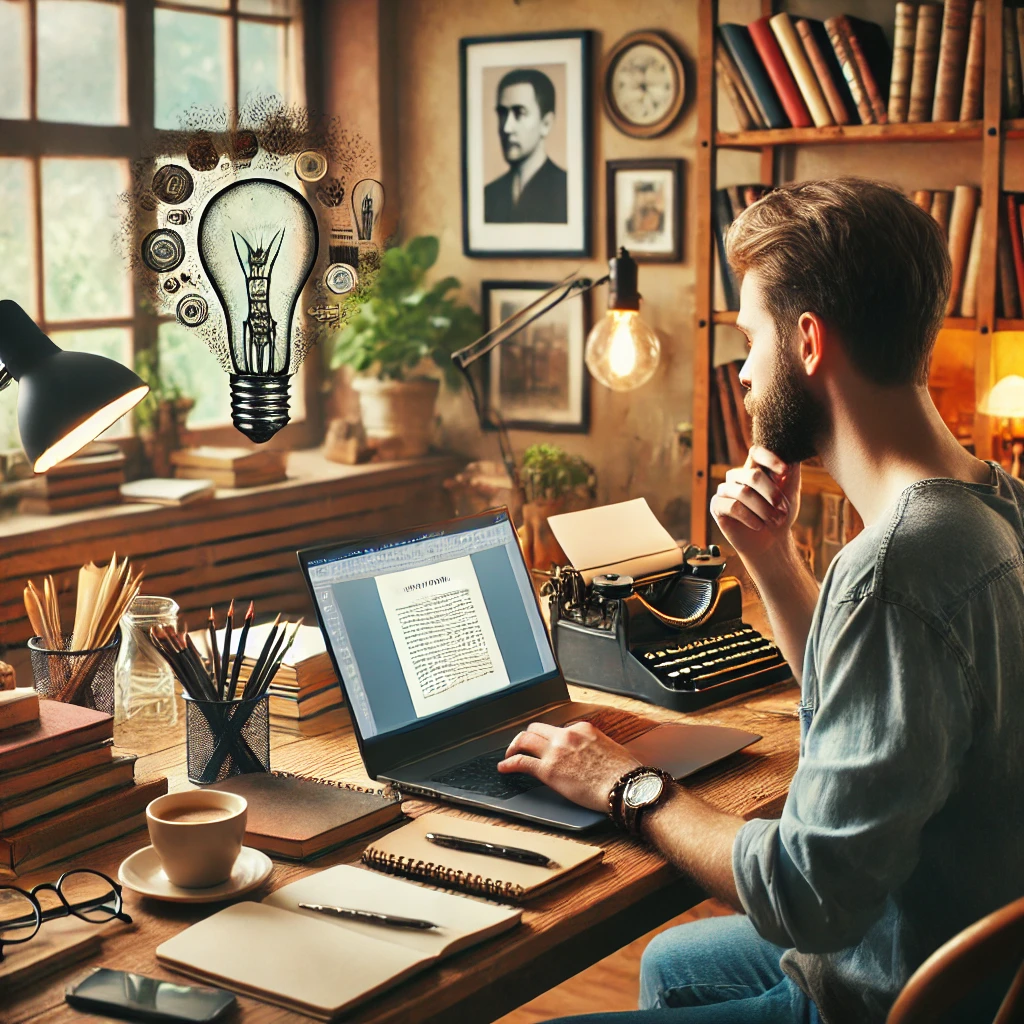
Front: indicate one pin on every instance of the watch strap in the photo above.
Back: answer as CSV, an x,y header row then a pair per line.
x,y
632,816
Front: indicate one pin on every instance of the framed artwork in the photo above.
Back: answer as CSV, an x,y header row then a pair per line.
x,y
644,200
526,111
536,379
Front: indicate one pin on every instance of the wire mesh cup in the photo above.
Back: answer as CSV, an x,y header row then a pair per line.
x,y
76,677
226,737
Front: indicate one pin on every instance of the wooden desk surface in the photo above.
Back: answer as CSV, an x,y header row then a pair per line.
x,y
632,892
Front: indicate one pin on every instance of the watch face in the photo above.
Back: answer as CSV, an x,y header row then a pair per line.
x,y
644,84
643,790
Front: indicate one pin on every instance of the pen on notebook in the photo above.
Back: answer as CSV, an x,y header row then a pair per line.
x,y
516,853
370,916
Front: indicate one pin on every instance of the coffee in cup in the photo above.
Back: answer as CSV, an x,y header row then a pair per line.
x,y
197,835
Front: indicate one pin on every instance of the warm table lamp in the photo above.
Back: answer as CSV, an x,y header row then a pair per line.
x,y
65,399
1006,400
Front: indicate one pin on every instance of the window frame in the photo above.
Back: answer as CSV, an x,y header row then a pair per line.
x,y
32,140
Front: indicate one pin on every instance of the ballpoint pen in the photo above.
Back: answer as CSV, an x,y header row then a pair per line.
x,y
370,916
516,853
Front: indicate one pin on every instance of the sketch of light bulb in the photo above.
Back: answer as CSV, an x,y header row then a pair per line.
x,y
258,241
367,206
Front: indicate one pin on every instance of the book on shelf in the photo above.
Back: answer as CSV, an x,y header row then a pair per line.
x,y
1009,297
1019,12
1011,65
231,477
93,460
974,69
904,33
61,728
740,46
32,506
942,202
52,769
961,226
871,53
18,707
734,429
1013,228
851,71
949,75
736,91
45,485
969,293
289,703
923,198
926,62
722,217
779,73
213,457
823,60
806,80
164,491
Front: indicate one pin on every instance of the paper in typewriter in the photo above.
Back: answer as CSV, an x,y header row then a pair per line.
x,y
624,538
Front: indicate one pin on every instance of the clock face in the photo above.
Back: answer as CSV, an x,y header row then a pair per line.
x,y
642,791
644,84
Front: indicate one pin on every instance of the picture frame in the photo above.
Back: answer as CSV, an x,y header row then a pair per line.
x,y
526,163
540,381
644,202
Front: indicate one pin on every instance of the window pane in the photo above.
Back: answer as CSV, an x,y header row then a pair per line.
x,y
83,274
80,54
186,361
260,60
17,265
191,64
279,8
113,342
14,58
211,5
9,437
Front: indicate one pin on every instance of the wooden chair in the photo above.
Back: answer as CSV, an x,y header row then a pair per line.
x,y
956,969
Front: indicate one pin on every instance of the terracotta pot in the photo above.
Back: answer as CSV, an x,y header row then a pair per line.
x,y
398,415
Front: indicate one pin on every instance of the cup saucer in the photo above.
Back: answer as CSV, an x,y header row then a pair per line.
x,y
142,873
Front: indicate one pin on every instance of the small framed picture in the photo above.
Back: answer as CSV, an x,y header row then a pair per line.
x,y
526,112
645,200
536,379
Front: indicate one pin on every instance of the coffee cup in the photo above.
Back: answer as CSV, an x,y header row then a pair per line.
x,y
197,835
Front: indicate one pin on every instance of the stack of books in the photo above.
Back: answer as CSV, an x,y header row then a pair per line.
x,y
782,72
230,467
85,481
62,789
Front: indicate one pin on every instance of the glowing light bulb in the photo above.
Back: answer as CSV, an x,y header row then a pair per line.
x,y
258,242
622,352
367,206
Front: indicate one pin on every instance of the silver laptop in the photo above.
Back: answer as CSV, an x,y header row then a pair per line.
x,y
438,640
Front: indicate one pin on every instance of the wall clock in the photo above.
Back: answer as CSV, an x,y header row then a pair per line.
x,y
644,85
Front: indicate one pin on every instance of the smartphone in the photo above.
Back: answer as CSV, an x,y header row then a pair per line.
x,y
136,997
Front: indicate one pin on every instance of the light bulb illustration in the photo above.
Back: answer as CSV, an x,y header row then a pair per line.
x,y
258,241
367,206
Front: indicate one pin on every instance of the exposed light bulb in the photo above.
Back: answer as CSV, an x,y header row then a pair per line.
x,y
622,352
258,242
367,206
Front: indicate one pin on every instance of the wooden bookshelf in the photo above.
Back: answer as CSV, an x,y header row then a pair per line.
x,y
990,133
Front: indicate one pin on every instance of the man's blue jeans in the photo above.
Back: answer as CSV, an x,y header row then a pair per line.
x,y
714,971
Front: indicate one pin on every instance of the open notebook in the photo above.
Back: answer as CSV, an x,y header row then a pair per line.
x,y
321,965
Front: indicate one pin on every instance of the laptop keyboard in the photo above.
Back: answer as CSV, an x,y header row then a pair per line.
x,y
480,775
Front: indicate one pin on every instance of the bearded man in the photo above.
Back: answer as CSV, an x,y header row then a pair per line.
x,y
899,829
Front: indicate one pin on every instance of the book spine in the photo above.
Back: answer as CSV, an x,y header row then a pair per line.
x,y
961,224
735,449
732,373
1020,45
740,47
722,53
723,218
438,874
949,79
872,88
1007,276
923,198
1011,65
732,92
844,54
942,200
836,104
902,62
974,71
926,62
1016,240
969,299
793,51
778,71
716,427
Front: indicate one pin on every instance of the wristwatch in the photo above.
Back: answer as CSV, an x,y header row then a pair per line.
x,y
637,790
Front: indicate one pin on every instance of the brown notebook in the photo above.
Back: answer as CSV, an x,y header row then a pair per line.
x,y
298,818
53,769
60,727
407,852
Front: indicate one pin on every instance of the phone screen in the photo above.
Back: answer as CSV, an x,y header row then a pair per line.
x,y
136,997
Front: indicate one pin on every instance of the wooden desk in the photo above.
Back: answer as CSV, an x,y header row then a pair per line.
x,y
573,927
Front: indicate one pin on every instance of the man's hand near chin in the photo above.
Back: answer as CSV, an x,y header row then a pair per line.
x,y
583,764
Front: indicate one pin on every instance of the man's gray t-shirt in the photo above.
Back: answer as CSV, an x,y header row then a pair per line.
x,y
905,819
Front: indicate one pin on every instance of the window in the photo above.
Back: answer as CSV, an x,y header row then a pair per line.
x,y
86,87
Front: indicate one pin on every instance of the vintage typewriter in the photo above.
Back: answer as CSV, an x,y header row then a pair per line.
x,y
675,638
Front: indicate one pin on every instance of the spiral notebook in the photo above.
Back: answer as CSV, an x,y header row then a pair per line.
x,y
407,852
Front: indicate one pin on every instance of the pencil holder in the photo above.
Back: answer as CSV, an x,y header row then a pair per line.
x,y
226,737
76,677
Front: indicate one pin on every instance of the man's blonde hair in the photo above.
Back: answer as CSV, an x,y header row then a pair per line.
x,y
860,254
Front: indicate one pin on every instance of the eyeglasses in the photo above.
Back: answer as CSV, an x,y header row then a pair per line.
x,y
88,895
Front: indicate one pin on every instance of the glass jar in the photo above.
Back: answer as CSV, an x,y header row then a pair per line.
x,y
145,684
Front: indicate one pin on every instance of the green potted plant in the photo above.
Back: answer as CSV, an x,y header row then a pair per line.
x,y
393,323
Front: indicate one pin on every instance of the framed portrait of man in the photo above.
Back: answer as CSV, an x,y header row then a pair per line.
x,y
644,200
526,144
536,379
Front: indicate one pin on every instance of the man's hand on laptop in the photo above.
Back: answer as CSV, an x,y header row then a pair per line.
x,y
579,761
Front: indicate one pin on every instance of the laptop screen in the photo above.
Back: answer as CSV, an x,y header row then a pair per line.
x,y
430,621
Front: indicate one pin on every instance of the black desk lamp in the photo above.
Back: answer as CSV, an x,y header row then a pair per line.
x,y
65,398
622,352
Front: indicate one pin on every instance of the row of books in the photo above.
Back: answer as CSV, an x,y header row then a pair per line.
x,y
729,424
782,72
62,788
727,205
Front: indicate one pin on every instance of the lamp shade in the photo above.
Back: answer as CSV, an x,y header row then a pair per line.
x,y
1006,399
65,399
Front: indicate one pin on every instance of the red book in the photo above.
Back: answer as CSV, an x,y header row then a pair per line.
x,y
782,78
1013,225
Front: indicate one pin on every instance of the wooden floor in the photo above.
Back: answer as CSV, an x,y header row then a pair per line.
x,y
610,985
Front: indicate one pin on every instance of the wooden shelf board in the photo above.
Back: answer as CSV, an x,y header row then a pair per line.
x,y
724,316
1014,129
928,131
1003,324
